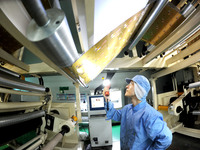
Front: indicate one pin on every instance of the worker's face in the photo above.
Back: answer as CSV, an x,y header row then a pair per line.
x,y
130,92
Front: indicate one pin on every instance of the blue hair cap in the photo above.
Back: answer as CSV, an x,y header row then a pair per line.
x,y
142,86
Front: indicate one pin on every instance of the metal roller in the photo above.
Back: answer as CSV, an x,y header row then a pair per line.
x,y
36,11
51,34
20,118
194,85
188,10
9,72
9,81
54,39
149,21
11,132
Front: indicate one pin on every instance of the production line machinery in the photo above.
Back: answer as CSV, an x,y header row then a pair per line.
x,y
20,118
50,32
188,109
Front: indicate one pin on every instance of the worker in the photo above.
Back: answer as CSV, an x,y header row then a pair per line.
x,y
142,127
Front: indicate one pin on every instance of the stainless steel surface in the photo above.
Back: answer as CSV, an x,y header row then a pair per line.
x,y
55,39
36,11
19,118
149,21
13,82
188,10
9,72
4,90
194,85
17,28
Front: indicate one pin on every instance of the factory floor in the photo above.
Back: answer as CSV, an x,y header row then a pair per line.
x,y
183,142
180,142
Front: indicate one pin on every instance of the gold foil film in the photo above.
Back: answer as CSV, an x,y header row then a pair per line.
x,y
91,63
167,21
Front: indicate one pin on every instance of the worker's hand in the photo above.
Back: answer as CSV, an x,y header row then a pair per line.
x,y
107,98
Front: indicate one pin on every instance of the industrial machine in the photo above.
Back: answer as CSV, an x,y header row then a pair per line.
x,y
161,37
100,129
61,127
17,118
46,121
62,115
187,108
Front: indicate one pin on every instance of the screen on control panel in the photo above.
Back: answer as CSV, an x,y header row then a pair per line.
x,y
96,102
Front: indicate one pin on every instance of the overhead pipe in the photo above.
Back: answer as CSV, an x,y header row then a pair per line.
x,y
20,118
160,4
9,81
9,72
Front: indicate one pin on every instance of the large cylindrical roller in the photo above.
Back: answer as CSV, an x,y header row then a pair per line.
x,y
54,39
9,81
19,118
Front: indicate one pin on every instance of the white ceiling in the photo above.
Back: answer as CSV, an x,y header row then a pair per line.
x,y
108,14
